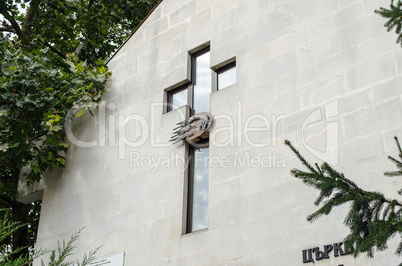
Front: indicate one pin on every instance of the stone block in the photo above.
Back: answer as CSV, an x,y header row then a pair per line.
x,y
387,90
372,71
172,7
309,11
345,3
324,90
360,149
361,31
153,29
281,65
182,14
201,5
287,42
226,21
360,123
201,17
278,23
220,7
230,188
376,46
355,101
324,47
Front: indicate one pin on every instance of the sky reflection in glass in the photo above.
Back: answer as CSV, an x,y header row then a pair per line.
x,y
227,78
202,84
179,99
200,190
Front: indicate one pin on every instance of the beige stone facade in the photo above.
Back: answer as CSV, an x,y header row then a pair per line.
x,y
324,74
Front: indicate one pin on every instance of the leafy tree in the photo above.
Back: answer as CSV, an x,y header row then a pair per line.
x,y
51,60
93,27
35,97
372,218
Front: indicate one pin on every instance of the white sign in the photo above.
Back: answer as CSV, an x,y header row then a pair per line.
x,y
111,260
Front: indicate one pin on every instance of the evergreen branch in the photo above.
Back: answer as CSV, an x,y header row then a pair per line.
x,y
88,258
397,162
399,146
372,218
58,256
301,158
399,249
394,160
394,16
394,173
64,250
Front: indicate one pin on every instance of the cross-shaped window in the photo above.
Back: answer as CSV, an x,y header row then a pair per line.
x,y
196,95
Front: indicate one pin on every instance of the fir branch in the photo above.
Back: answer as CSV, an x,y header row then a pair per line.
x,y
399,146
301,158
397,162
394,16
372,219
88,258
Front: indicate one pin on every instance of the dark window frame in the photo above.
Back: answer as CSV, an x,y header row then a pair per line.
x,y
190,190
190,85
170,96
193,77
220,70
190,150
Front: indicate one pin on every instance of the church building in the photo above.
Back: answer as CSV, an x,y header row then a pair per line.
x,y
184,161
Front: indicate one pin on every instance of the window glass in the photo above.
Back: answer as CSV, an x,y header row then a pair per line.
x,y
177,99
227,78
202,83
200,190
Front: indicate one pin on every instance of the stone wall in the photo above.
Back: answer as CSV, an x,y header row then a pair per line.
x,y
323,74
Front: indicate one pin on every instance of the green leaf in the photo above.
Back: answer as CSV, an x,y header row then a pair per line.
x,y
64,144
80,113
61,160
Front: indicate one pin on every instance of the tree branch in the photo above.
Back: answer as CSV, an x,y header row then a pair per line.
x,y
38,136
31,16
4,11
7,30
53,49
370,194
